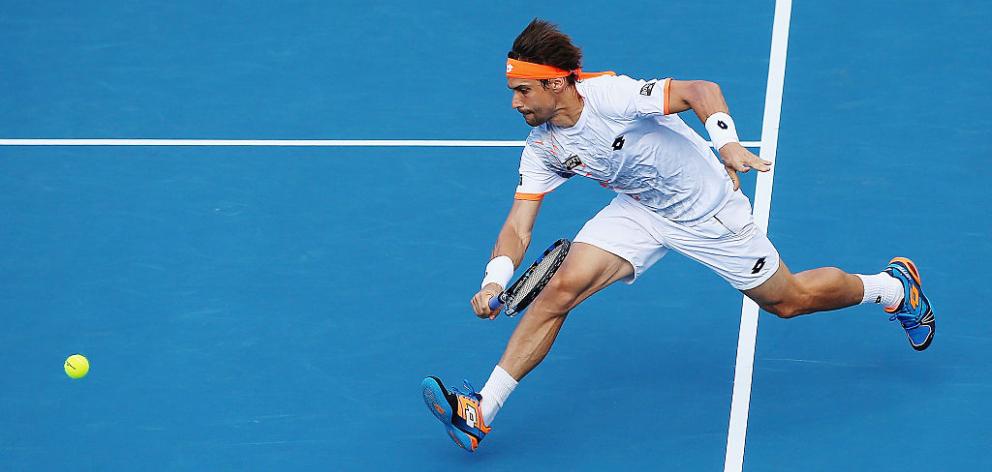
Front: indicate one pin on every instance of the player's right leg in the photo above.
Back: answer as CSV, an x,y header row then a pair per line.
x,y
587,269
467,414
616,244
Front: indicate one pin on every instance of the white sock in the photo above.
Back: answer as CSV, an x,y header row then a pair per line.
x,y
882,289
499,386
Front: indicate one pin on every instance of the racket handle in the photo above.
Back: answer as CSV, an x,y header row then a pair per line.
x,y
495,303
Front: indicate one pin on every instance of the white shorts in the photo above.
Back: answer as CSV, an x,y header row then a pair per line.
x,y
729,242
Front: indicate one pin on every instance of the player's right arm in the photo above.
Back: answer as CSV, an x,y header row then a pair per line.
x,y
512,242
514,238
537,179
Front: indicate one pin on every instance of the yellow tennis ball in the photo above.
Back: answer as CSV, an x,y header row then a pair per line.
x,y
76,366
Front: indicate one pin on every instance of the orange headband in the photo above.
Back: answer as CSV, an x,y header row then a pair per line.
x,y
528,70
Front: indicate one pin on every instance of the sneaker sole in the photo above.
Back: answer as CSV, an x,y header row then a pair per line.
x,y
437,403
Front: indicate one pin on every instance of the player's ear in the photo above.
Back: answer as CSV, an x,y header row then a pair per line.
x,y
557,84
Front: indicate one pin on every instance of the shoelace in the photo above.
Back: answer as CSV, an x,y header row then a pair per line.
x,y
909,323
471,392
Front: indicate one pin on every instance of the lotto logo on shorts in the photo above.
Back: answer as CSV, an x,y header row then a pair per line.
x,y
758,266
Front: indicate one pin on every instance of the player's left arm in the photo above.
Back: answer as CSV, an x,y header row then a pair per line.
x,y
706,99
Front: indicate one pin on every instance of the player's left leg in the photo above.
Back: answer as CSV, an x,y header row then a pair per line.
x,y
787,295
731,245
898,289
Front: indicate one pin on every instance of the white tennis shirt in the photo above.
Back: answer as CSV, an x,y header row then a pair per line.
x,y
626,140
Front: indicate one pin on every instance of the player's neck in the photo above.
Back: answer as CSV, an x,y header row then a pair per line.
x,y
569,109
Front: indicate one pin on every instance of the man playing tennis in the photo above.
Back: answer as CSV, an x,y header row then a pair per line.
x,y
673,194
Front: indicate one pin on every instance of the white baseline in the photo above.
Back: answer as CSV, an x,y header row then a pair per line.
x,y
744,369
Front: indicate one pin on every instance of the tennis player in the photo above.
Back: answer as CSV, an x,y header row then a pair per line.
x,y
673,193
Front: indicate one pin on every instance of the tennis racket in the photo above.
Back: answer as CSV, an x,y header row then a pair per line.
x,y
526,288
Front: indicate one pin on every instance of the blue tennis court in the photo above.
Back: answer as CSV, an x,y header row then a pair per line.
x,y
275,308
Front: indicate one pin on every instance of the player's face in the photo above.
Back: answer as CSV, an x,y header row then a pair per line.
x,y
532,100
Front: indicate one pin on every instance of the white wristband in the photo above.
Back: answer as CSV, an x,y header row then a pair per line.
x,y
499,270
721,128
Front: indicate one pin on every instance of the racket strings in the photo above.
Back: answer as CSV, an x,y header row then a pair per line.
x,y
533,282
540,271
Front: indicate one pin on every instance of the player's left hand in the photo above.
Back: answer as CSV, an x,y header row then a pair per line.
x,y
480,301
738,159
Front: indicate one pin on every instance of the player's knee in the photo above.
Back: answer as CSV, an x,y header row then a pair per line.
x,y
562,293
791,307
782,310
789,300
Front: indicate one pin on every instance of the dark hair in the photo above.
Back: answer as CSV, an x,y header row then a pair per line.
x,y
542,43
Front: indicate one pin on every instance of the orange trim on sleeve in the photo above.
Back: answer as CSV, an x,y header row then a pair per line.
x,y
534,197
668,86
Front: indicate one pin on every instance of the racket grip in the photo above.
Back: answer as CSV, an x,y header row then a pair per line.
x,y
495,303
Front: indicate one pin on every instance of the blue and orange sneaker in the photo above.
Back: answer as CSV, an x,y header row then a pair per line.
x,y
914,313
459,412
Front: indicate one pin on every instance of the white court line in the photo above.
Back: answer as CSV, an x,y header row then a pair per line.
x,y
279,142
263,142
744,368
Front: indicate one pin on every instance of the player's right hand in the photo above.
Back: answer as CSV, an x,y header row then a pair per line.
x,y
480,302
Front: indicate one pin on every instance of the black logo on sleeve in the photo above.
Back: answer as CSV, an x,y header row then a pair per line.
x,y
573,162
758,266
618,143
521,179
721,124
647,88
